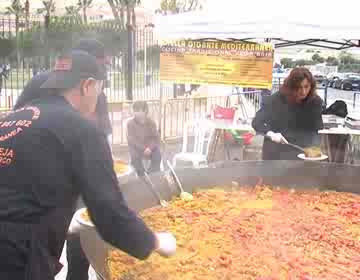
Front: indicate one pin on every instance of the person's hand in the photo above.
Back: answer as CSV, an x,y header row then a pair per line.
x,y
277,137
166,244
147,152
74,227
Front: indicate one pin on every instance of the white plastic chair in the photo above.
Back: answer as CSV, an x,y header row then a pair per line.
x,y
244,109
203,133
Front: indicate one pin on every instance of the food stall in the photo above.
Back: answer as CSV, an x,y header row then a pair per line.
x,y
258,219
246,23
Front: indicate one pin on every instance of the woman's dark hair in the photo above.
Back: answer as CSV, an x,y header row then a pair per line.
x,y
293,82
140,106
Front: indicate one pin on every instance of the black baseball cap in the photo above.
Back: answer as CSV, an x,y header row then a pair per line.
x,y
33,90
93,47
73,67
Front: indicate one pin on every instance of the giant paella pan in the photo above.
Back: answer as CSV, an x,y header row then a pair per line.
x,y
257,220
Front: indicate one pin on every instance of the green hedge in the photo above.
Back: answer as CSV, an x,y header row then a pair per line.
x,y
61,34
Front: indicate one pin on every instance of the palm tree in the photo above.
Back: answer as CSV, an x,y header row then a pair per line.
x,y
73,12
48,9
113,6
133,4
16,9
180,6
119,6
27,12
84,5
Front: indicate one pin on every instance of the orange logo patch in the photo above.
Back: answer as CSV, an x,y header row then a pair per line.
x,y
19,125
7,156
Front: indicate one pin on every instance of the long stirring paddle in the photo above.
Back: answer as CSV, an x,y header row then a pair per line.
x,y
183,195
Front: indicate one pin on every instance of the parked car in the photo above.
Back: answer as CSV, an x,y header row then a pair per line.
x,y
332,81
351,83
337,82
319,78
342,77
331,78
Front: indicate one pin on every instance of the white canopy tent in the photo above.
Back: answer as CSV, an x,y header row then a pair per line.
x,y
319,23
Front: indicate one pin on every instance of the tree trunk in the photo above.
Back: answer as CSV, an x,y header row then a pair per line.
x,y
129,72
128,15
193,5
133,14
122,15
114,11
17,23
46,41
27,13
84,14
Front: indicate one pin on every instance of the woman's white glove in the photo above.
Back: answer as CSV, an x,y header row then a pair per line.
x,y
277,137
166,244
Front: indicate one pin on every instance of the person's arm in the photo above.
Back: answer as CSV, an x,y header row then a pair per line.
x,y
309,121
94,175
261,122
154,141
314,116
102,113
132,138
310,118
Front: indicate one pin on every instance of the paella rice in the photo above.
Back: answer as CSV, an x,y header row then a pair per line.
x,y
313,152
252,234
120,167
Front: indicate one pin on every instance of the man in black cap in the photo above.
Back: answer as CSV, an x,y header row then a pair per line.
x,y
50,153
32,90
97,49
78,264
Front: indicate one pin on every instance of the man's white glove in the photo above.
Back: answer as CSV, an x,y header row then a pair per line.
x,y
166,244
277,137
74,227
109,139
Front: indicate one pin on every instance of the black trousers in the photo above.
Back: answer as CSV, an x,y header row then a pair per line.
x,y
78,264
137,162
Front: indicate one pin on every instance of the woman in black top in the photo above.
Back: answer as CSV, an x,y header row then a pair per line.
x,y
291,115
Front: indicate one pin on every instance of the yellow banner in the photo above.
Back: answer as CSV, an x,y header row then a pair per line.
x,y
217,62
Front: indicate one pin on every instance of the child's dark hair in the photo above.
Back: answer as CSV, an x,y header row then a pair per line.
x,y
140,106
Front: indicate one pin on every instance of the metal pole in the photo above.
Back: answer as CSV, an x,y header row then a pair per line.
x,y
145,55
161,127
129,88
354,101
47,49
326,93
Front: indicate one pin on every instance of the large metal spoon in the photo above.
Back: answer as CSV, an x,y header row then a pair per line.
x,y
296,147
149,183
290,144
183,194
